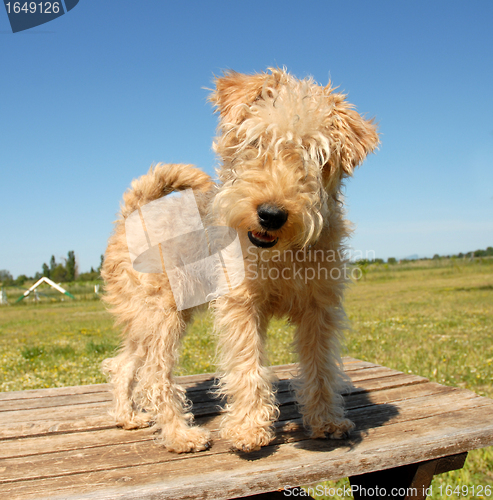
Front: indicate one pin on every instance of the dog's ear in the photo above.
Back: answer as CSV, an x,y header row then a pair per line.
x,y
352,137
236,92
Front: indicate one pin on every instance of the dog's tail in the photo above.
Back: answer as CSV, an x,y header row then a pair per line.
x,y
121,280
161,180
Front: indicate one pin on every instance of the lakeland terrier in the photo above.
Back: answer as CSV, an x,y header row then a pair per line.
x,y
285,145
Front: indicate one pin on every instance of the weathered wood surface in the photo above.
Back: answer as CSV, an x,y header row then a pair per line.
x,y
61,443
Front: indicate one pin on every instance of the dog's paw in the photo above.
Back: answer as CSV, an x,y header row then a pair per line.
x,y
190,440
135,421
252,439
340,429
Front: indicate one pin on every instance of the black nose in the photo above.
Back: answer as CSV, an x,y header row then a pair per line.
x,y
271,217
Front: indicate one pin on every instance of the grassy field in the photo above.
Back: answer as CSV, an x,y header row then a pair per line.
x,y
433,318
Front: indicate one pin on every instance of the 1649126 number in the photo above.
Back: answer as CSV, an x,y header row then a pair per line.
x,y
33,7
465,490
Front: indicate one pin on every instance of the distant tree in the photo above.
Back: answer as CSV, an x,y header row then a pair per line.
x,y
6,278
101,263
20,280
71,266
52,263
46,270
391,260
38,276
5,275
59,274
489,251
436,256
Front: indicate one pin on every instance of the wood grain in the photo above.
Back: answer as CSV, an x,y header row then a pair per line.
x,y
61,443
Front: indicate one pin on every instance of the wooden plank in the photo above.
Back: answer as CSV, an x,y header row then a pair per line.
x,y
54,401
385,416
56,414
452,462
89,423
388,407
85,417
42,445
55,391
369,373
285,394
60,442
227,475
398,380
195,395
188,381
196,385
194,392
53,442
83,397
393,393
137,453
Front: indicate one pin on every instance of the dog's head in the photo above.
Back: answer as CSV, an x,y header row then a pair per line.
x,y
285,145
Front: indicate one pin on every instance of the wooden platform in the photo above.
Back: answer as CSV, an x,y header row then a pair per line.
x,y
60,443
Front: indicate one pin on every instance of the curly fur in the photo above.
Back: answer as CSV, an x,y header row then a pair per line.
x,y
283,142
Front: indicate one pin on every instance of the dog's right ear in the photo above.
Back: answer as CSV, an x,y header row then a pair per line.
x,y
236,92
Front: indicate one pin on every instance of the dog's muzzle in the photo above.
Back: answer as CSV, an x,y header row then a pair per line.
x,y
271,218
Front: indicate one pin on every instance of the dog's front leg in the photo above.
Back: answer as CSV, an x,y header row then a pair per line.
x,y
317,338
246,382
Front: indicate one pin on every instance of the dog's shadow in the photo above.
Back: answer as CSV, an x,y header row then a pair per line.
x,y
365,413
206,405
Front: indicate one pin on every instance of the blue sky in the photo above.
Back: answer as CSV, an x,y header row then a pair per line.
x,y
90,100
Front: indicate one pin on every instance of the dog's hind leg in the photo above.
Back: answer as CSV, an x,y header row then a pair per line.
x,y
321,378
121,370
155,384
247,383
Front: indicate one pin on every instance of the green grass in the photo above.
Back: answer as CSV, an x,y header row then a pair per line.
x,y
433,318
54,344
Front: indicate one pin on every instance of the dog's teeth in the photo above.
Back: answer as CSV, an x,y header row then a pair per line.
x,y
263,236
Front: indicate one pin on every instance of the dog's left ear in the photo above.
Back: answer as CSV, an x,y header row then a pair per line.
x,y
352,137
236,92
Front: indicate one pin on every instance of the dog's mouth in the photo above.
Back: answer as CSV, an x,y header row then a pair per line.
x,y
262,240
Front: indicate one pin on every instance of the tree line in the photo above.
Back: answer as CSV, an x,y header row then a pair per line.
x,y
469,255
59,272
